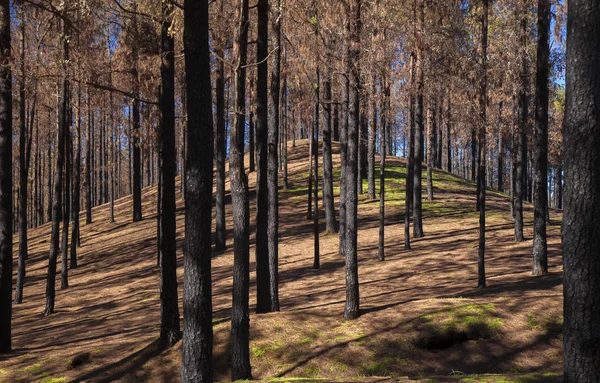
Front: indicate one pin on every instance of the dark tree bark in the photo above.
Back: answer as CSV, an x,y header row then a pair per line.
x,y
500,149
540,195
251,140
336,122
328,201
363,137
88,162
344,155
23,173
382,154
431,127
438,137
285,126
66,218
58,179
483,99
351,310
408,201
371,143
263,299
580,231
137,171
449,136
310,175
418,154
315,155
240,316
49,180
6,179
220,143
76,193
170,332
520,165
273,163
197,364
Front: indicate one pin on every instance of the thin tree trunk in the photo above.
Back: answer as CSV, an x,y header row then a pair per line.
x,y
315,155
328,200
410,159
382,154
431,127
371,143
66,218
344,156
137,171
520,174
418,155
220,229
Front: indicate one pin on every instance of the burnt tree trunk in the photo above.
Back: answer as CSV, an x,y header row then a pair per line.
x,y
580,231
6,180
540,194
240,315
170,332
197,362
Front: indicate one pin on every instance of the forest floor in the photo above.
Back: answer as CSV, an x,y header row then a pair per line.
x,y
422,318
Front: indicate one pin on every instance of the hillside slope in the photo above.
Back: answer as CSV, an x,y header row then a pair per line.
x,y
422,316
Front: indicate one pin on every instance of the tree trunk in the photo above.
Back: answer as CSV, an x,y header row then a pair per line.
x,y
581,233
315,155
382,154
540,194
240,316
58,181
197,362
449,136
220,143
170,332
66,218
371,143
418,155
88,162
520,174
23,173
351,310
336,122
343,157
328,200
500,150
273,164
408,201
6,180
483,99
431,127
137,171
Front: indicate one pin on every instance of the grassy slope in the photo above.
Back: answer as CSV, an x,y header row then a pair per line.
x,y
112,309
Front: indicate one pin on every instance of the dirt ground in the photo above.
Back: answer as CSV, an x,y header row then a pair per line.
x,y
422,318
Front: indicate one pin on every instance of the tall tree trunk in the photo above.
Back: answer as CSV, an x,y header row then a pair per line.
x,y
273,163
520,173
137,171
64,274
540,195
58,181
197,362
351,310
580,231
88,162
285,125
344,154
418,155
76,188
382,154
449,136
371,143
6,180
431,127
410,157
169,327
500,149
336,122
328,200
315,154
251,141
263,303
482,147
23,172
240,316
220,143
